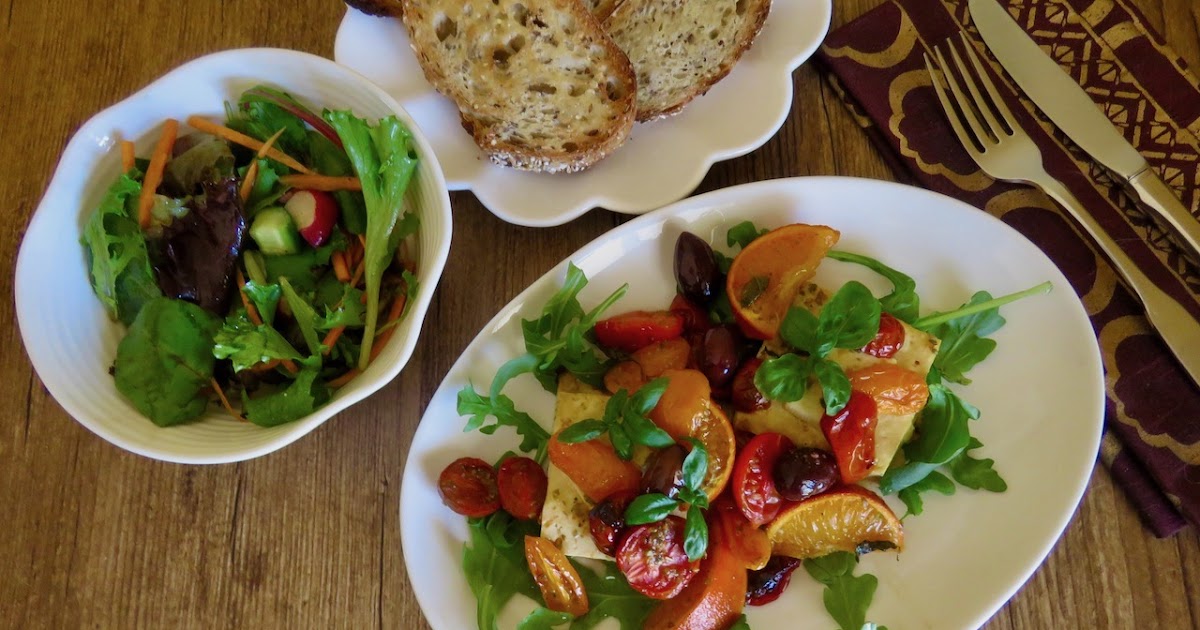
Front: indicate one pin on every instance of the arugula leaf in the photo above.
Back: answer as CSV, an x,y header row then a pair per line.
x,y
625,421
384,158
165,362
329,159
944,431
533,437
305,316
299,399
246,345
935,482
494,565
117,257
847,596
977,474
542,618
743,234
265,298
610,596
903,302
740,623
964,343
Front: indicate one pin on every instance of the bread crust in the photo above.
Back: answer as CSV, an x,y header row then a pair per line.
x,y
538,83
630,14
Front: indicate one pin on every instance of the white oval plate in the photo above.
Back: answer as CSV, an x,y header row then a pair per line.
x,y
1041,394
663,160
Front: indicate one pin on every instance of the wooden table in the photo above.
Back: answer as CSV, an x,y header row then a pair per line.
x,y
308,537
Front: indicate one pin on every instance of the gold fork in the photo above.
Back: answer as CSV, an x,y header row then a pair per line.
x,y
1004,151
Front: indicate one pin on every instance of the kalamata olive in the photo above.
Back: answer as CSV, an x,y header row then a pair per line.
x,y
765,585
664,471
719,357
805,472
696,269
606,520
746,396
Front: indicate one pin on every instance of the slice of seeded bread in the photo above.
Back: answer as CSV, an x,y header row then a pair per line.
x,y
681,48
538,83
601,8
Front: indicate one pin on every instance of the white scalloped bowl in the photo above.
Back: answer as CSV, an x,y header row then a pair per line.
x,y
70,339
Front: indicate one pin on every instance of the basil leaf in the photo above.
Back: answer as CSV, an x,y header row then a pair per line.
x,y
649,508
753,290
903,301
621,442
647,397
784,378
695,535
646,433
582,431
721,311
799,329
835,386
695,465
849,320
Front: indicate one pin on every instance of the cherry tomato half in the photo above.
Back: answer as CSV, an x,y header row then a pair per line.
x,y
745,394
635,330
653,560
559,582
754,479
468,486
888,340
606,521
851,433
522,485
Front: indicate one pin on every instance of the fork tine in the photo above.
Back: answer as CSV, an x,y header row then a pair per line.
x,y
965,105
989,86
963,137
980,102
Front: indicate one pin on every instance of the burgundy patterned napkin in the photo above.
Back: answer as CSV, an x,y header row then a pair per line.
x,y
1152,437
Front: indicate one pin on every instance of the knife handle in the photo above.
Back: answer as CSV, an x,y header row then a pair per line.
x,y
1160,199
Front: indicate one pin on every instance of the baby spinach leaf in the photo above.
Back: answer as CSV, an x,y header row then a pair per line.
x,y
246,344
165,361
118,261
610,596
299,399
494,565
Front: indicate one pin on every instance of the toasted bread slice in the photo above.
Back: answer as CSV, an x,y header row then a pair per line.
x,y
601,8
680,49
538,83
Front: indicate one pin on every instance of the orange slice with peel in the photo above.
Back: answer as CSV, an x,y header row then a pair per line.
x,y
843,519
686,409
766,276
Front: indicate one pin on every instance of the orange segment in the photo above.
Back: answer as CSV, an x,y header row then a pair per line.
x,y
839,520
766,276
686,410
897,391
713,599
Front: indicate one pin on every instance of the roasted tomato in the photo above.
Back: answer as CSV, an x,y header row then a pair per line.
x,y
559,582
754,479
606,521
468,486
632,331
768,583
745,394
695,319
897,391
851,434
653,560
888,340
522,484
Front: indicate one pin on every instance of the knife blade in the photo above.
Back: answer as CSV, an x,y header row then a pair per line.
x,y
1071,109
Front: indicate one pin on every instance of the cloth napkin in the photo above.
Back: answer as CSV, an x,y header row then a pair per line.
x,y
1152,436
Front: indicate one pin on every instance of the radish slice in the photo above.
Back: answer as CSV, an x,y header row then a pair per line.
x,y
315,213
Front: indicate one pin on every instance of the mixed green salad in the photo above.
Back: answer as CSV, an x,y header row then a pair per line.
x,y
264,259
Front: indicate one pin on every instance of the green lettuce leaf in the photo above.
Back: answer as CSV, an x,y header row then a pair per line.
x,y
118,262
299,399
246,344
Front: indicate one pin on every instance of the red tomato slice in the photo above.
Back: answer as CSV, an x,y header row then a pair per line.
x,y
635,330
888,340
851,433
653,560
559,582
754,478
522,484
468,486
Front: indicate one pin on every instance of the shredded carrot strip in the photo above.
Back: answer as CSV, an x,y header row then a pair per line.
x,y
343,379
393,315
252,172
331,338
127,156
266,367
339,267
236,137
154,172
358,273
328,183
252,313
225,401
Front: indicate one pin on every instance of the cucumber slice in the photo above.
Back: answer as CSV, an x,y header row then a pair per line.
x,y
275,232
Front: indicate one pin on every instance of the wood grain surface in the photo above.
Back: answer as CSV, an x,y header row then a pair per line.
x,y
308,537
